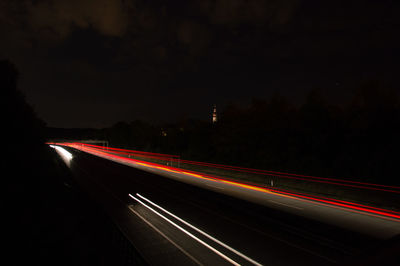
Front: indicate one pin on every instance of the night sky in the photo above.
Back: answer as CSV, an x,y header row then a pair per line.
x,y
92,63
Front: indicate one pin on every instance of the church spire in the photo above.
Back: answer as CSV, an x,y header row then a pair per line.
x,y
214,114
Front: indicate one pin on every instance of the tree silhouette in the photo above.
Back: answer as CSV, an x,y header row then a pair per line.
x,y
22,127
23,175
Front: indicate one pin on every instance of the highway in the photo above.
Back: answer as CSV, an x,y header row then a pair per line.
x,y
175,218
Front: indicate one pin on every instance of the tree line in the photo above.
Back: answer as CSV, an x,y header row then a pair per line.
x,y
359,140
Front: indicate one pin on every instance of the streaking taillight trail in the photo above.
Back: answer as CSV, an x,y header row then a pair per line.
x,y
175,158
120,154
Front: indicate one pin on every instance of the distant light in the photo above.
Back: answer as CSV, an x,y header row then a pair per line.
x,y
214,114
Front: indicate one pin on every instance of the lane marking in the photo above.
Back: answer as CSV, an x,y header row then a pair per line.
x,y
268,234
166,237
234,221
221,188
186,232
201,232
287,205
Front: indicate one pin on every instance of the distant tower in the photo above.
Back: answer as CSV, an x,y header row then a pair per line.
x,y
214,114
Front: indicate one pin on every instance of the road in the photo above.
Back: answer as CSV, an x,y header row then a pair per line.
x,y
171,222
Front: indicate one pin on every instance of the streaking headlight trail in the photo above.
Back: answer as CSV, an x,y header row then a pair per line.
x,y
224,256
66,155
200,231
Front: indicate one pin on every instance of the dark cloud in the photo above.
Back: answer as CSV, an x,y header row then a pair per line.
x,y
62,16
131,56
236,12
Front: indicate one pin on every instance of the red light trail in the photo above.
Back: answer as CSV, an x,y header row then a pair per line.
x,y
357,207
330,181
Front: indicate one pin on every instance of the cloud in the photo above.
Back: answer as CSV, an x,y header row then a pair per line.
x,y
59,17
193,35
236,12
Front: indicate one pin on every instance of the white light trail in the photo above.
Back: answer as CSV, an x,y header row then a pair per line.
x,y
186,232
201,232
63,152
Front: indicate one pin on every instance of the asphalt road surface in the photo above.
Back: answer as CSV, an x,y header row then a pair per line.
x,y
173,220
